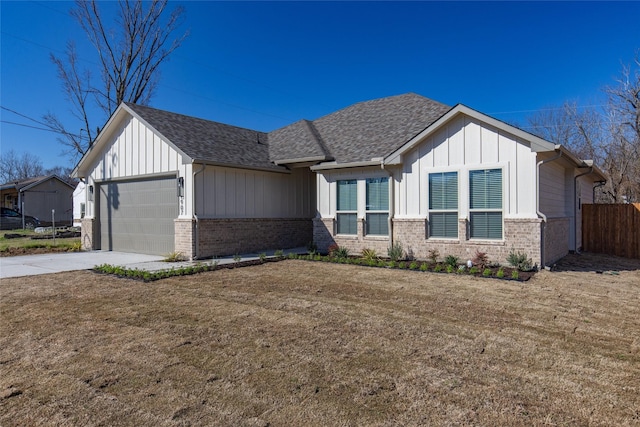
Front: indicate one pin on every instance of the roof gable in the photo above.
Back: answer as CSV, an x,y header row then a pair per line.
x,y
208,141
360,132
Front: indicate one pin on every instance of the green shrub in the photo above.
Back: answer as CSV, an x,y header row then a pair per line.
x,y
424,266
515,275
279,253
450,268
486,272
402,264
341,252
413,265
396,251
452,261
382,263
500,273
237,258
369,254
263,256
520,261
391,264
473,270
438,268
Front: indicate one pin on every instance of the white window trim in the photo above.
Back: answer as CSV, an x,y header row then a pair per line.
x,y
428,172
503,167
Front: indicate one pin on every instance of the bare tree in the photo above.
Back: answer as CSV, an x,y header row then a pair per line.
x,y
623,150
14,167
129,57
610,135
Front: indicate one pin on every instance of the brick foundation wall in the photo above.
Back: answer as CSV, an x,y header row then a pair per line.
x,y
220,237
185,237
520,235
324,236
89,234
556,239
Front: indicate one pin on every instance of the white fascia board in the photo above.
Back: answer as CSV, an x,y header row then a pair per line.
x,y
334,165
302,160
536,143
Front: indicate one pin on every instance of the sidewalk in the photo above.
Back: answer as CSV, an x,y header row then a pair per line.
x,y
31,265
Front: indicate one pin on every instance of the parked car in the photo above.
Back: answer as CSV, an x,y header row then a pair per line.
x,y
10,220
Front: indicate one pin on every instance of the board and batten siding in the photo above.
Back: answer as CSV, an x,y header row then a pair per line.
x,y
223,192
135,151
465,144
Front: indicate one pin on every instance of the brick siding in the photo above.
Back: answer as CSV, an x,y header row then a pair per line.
x,y
89,234
221,237
520,235
556,239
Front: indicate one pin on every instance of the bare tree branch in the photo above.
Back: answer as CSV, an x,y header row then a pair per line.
x,y
129,55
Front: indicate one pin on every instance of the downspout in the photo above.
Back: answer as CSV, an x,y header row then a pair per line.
x,y
540,214
193,203
575,208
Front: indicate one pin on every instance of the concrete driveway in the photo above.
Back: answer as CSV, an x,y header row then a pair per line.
x,y
30,265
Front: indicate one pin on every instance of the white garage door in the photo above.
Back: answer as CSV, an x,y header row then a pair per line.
x,y
137,216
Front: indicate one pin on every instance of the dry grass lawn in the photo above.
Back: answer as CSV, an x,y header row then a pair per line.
x,y
301,343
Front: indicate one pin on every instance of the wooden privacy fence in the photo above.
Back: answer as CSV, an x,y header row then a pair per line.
x,y
612,229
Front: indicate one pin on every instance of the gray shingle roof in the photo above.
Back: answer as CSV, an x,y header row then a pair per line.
x,y
363,131
204,140
360,132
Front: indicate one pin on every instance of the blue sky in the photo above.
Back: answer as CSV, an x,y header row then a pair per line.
x,y
267,64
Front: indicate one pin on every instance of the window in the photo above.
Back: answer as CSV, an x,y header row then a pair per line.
x,y
377,220
347,207
443,205
485,204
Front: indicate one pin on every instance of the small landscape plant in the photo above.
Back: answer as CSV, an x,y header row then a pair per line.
x,y
237,258
423,266
500,273
396,251
263,256
174,256
486,272
402,264
515,275
481,259
450,268
312,248
438,268
433,255
369,254
413,265
520,261
279,253
451,260
473,270
341,253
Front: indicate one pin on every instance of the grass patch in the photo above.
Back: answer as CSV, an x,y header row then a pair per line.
x,y
314,344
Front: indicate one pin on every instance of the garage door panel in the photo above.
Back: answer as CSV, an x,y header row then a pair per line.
x,y
137,216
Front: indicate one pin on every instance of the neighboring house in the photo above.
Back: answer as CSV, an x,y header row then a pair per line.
x,y
403,169
79,203
38,197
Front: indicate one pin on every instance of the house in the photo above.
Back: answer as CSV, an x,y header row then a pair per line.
x,y
44,197
402,169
